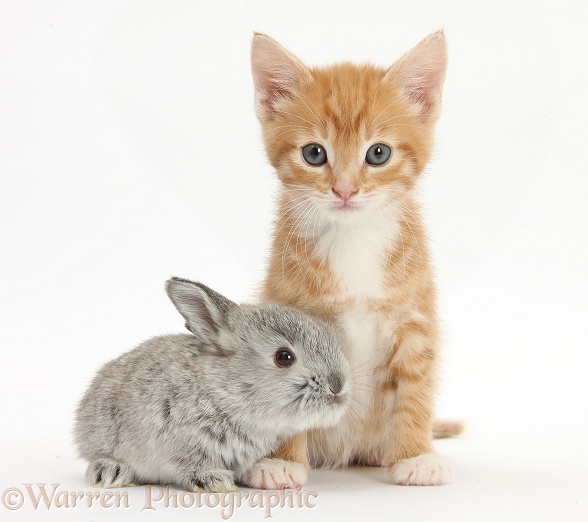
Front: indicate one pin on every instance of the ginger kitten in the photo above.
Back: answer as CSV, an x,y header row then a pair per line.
x,y
348,143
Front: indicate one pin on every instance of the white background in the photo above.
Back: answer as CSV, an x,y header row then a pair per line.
x,y
129,152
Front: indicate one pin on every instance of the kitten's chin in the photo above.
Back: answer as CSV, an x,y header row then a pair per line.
x,y
350,207
346,211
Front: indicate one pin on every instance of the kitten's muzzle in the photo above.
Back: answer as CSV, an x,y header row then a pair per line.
x,y
344,194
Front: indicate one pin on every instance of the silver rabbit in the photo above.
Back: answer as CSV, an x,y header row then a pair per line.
x,y
198,410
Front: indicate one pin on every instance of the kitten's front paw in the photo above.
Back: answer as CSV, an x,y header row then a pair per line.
x,y
276,474
429,469
216,481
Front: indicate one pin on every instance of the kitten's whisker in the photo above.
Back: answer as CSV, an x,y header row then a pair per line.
x,y
291,235
296,116
313,235
315,114
374,122
288,213
309,270
305,273
404,211
291,222
391,246
290,126
276,138
391,118
399,124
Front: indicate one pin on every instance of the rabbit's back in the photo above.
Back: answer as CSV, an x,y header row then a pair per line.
x,y
163,403
129,397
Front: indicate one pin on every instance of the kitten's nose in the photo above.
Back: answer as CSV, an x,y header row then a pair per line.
x,y
345,195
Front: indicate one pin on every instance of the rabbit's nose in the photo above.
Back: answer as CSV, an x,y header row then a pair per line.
x,y
335,382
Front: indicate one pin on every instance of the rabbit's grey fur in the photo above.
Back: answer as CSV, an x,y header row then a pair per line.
x,y
198,410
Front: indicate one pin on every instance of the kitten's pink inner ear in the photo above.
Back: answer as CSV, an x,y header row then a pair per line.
x,y
276,74
420,74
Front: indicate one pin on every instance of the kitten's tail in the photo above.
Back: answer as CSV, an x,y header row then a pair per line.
x,y
443,429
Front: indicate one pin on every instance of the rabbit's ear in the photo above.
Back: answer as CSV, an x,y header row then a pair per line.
x,y
204,310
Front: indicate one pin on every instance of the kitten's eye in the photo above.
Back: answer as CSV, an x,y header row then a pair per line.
x,y
314,154
284,357
378,154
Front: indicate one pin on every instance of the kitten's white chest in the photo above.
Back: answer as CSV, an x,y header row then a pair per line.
x,y
357,254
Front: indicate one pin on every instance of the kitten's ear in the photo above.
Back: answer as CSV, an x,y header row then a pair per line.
x,y
276,74
420,74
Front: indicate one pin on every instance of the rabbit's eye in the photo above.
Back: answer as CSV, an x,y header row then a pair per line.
x,y
284,357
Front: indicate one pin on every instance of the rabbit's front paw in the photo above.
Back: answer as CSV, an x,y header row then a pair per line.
x,y
276,474
213,481
107,473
